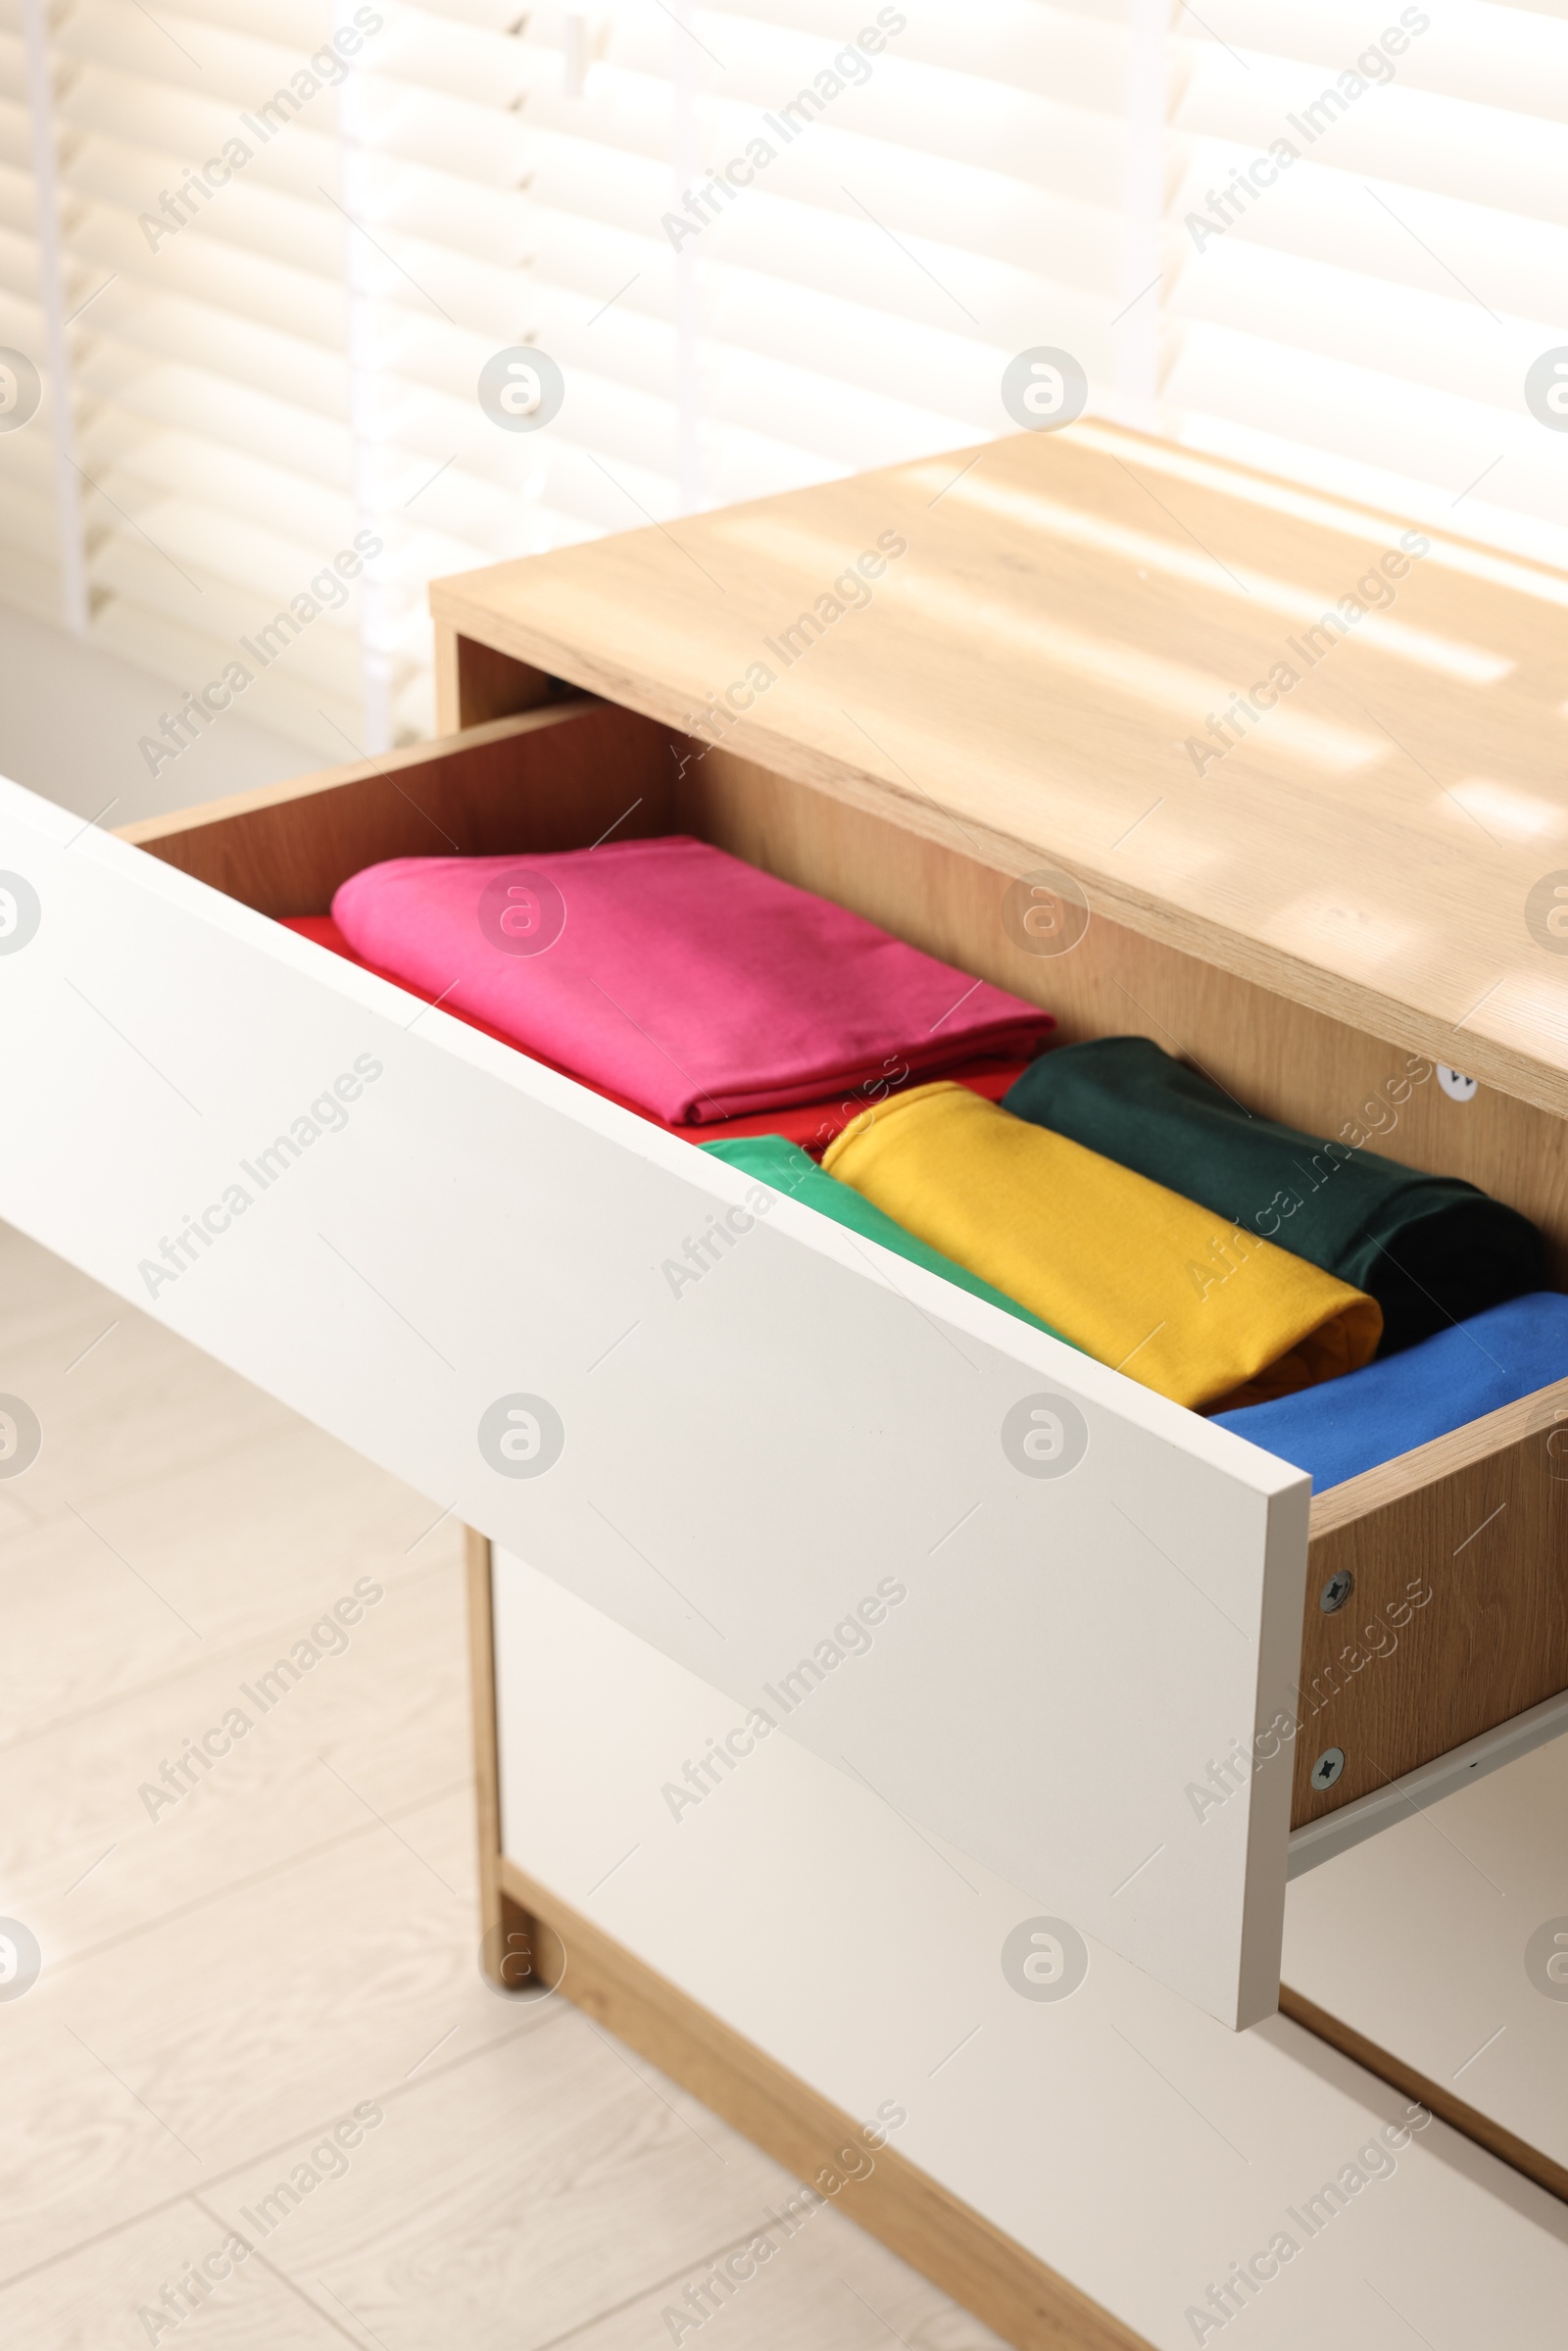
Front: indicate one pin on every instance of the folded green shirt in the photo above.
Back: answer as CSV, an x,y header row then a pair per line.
x,y
1431,1249
784,1167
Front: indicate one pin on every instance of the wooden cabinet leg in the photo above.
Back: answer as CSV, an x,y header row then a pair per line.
x,y
516,1952
512,1955
500,1918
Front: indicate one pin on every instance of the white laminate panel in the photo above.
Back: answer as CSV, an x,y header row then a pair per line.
x,y
1445,1942
1124,2138
747,1459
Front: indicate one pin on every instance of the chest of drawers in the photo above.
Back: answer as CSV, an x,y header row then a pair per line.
x,y
1161,745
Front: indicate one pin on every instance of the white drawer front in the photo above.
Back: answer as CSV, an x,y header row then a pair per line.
x,y
744,1459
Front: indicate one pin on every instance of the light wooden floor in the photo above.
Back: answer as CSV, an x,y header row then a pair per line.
x,y
297,1936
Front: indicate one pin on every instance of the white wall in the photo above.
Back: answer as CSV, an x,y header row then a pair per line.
x,y
72,716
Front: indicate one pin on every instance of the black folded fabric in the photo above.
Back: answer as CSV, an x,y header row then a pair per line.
x,y
1431,1249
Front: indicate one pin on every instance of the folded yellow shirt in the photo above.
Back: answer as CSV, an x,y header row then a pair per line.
x,y
1145,1280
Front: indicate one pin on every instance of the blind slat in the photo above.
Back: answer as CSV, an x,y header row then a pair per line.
x,y
300,357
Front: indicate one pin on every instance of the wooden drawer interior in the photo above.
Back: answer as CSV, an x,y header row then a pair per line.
x,y
1477,1521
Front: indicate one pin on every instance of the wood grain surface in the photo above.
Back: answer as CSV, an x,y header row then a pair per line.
x,y
509,1945
1458,1618
1069,611
555,777
928,879
474,684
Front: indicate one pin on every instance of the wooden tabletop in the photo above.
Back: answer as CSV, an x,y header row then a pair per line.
x,y
1036,673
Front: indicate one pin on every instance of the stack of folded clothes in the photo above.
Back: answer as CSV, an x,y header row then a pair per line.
x,y
1428,1391
678,979
1104,1191
1429,1249
784,1167
1131,1272
1468,1325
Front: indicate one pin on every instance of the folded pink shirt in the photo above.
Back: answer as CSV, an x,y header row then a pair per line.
x,y
674,974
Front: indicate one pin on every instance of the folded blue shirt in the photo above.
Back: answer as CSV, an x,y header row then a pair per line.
x,y
1344,1426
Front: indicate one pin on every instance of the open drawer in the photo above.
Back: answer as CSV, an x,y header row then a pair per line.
x,y
1041,1670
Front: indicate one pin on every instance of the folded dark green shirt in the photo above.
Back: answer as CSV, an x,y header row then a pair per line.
x,y
1431,1249
784,1167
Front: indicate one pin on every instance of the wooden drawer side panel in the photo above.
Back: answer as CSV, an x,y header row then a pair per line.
x,y
1458,1619
558,777
936,884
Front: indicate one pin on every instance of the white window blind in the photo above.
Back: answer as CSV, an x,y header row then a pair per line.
x,y
761,254
1367,323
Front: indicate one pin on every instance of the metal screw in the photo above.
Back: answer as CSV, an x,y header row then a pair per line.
x,y
1328,1767
1337,1590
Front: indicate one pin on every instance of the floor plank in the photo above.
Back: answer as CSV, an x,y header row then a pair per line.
x,y
221,1550
502,2199
96,1844
87,1370
820,2282
111,2296
230,2028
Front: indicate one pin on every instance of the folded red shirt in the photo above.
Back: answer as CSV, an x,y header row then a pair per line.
x,y
677,977
812,1125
